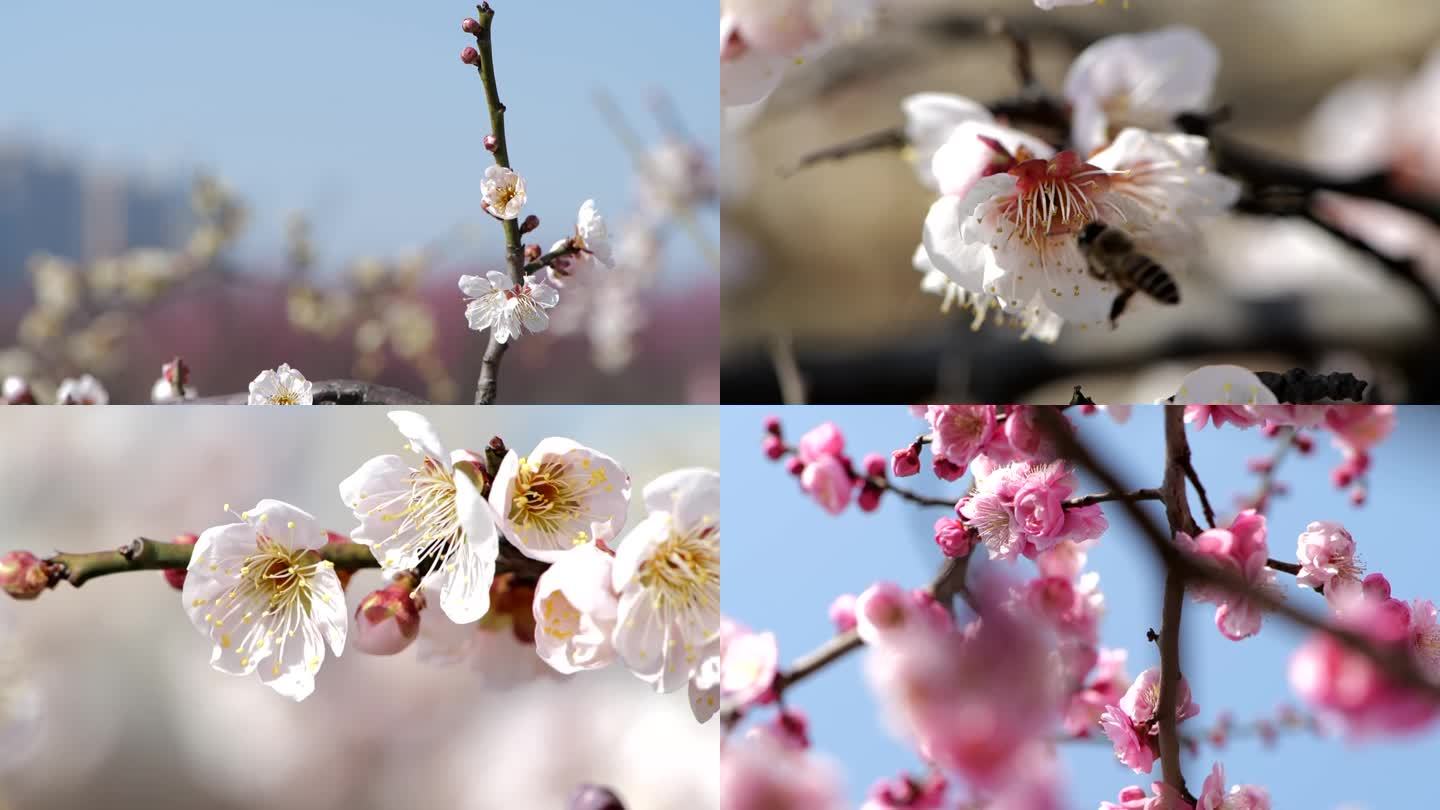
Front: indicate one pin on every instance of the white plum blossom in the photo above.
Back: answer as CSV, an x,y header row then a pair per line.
x,y
504,192
1164,186
760,38
83,391
1221,385
1141,80
575,608
562,495
507,308
1047,5
430,509
261,592
280,386
930,118
497,648
591,239
667,572
1036,323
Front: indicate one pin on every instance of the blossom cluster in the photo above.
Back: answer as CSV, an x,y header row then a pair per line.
x,y
983,694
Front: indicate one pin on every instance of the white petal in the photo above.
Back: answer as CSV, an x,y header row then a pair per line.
x,y
286,524
690,495
1223,385
465,577
378,493
422,435
291,671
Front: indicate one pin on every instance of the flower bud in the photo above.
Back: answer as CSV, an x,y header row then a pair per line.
x,y
952,537
594,797
531,223
842,612
869,498
794,466
905,462
773,447
947,470
470,25
470,56
16,391
491,144
532,253
874,465
772,425
176,576
388,619
23,575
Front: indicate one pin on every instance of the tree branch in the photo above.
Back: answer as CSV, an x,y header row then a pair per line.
x,y
548,259
1177,511
331,392
144,554
487,387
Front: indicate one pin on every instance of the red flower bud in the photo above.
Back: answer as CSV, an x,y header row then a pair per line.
x,y
470,25
23,575
176,576
470,56
772,425
531,223
491,143
388,619
594,797
773,447
905,462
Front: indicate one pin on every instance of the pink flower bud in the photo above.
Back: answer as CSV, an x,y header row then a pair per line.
x,y
388,619
905,462
842,612
23,575
491,143
874,465
531,223
946,470
869,498
772,425
176,576
773,447
1303,443
331,538
1260,465
794,466
1358,495
1376,586
470,25
952,537
470,56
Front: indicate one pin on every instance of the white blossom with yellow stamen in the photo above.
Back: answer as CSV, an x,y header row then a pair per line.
x,y
431,511
667,572
504,192
575,608
558,496
260,591
280,386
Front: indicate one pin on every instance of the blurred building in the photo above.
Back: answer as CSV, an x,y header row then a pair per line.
x,y
55,203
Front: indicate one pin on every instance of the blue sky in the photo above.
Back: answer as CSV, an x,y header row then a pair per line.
x,y
358,112
786,559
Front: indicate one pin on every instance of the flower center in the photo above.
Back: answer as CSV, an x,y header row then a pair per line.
x,y
431,513
683,573
284,397
1054,197
275,596
549,495
560,619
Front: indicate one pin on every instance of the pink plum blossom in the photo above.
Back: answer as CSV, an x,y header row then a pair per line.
x,y
1133,748
842,612
1019,509
825,473
1132,726
1327,558
1240,797
1103,689
952,537
1242,550
748,663
762,772
907,792
1162,797
960,431
1358,428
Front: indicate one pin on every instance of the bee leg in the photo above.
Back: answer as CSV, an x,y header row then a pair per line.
x,y
1117,308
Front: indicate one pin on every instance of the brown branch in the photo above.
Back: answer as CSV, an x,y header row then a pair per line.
x,y
331,392
548,259
487,386
1177,513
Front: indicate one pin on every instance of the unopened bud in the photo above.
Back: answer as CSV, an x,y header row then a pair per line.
x,y
388,619
23,575
773,447
869,499
490,143
470,25
594,797
16,391
532,253
470,56
176,576
905,462
531,223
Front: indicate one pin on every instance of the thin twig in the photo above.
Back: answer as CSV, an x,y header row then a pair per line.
x,y
487,387
1177,513
787,371
1402,269
550,258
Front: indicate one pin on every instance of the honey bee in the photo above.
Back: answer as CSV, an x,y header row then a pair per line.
x,y
1112,257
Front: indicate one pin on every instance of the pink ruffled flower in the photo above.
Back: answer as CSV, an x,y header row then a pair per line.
x,y
1026,435
1132,726
748,665
1133,748
1143,696
1327,558
1358,428
1346,687
1425,637
972,701
960,431
763,772
952,537
828,481
821,441
1242,549
1104,689
905,792
1018,509
1240,797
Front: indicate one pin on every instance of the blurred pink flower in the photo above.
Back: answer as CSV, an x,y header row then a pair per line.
x,y
1240,797
1242,550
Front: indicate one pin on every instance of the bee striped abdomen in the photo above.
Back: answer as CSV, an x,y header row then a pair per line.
x,y
1151,279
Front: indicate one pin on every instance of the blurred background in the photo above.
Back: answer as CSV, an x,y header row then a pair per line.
x,y
818,265
784,532
280,182
110,687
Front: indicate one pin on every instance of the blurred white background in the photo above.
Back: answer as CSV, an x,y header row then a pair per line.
x,y
128,713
